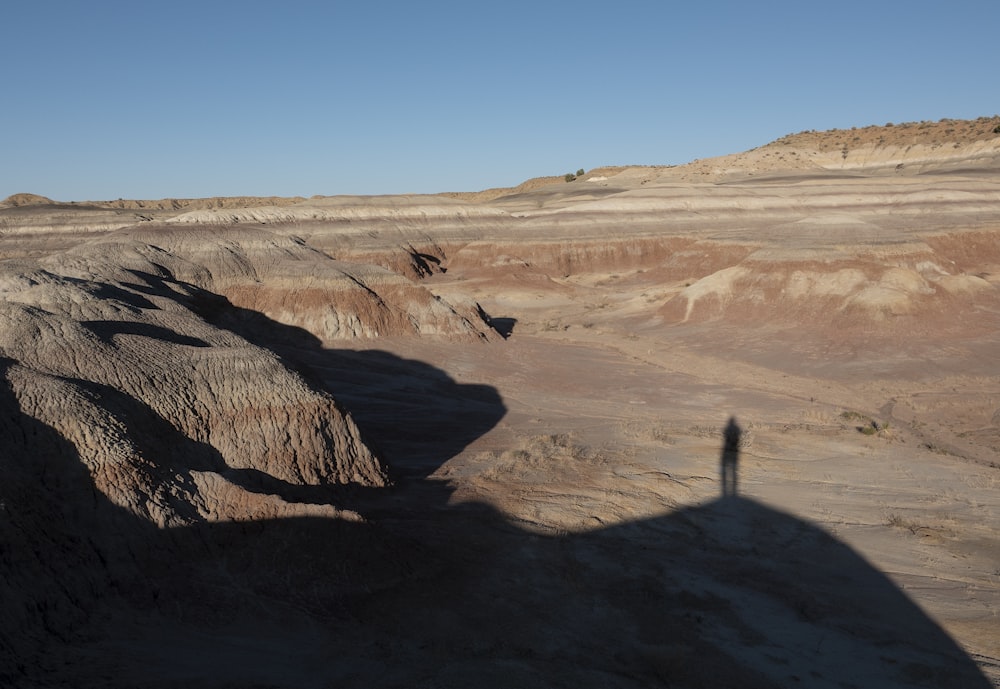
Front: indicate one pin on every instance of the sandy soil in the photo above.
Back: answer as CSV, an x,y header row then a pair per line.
x,y
611,429
864,517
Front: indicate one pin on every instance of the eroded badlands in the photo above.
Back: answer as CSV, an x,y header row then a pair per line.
x,y
478,439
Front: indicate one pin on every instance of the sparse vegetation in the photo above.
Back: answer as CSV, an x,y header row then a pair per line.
x,y
931,447
899,522
569,177
643,431
536,452
867,425
896,134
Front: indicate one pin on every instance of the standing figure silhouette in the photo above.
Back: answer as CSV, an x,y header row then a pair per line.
x,y
730,457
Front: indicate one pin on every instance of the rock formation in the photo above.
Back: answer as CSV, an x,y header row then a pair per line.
x,y
128,401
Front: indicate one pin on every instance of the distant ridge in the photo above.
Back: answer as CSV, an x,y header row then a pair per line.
x,y
15,200
945,131
932,135
159,204
487,195
856,147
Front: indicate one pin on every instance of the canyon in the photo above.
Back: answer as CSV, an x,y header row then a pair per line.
x,y
730,423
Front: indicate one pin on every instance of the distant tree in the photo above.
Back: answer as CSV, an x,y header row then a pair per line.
x,y
580,172
569,177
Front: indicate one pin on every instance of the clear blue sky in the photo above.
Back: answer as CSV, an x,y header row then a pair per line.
x,y
145,99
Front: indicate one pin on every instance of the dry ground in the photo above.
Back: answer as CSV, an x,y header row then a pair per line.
x,y
558,521
604,439
608,427
558,516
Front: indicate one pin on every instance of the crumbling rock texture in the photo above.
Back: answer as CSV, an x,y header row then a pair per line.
x,y
123,406
145,340
295,284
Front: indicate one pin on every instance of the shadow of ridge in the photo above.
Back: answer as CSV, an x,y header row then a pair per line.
x,y
733,593
410,413
125,569
413,415
87,584
107,330
783,599
63,545
417,415
504,325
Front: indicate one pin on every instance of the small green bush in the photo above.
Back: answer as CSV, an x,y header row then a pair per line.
x,y
569,177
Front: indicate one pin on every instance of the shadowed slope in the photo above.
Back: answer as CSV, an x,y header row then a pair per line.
x,y
732,593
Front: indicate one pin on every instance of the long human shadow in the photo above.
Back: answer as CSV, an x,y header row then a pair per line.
x,y
729,461
423,592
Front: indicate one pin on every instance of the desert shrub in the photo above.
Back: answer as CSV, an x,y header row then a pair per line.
x,y
580,172
869,426
548,450
569,177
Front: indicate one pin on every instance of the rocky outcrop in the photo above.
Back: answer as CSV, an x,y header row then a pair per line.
x,y
837,298
178,396
129,404
24,199
295,284
41,229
